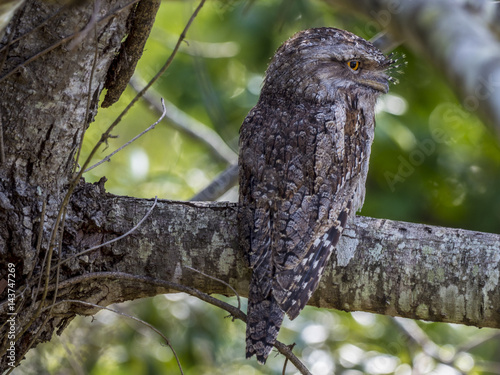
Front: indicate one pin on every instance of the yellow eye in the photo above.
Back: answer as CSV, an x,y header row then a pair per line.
x,y
353,64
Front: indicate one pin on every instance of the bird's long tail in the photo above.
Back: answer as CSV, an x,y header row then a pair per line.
x,y
264,317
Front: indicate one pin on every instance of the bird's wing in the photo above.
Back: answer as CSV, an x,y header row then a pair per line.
x,y
323,163
258,199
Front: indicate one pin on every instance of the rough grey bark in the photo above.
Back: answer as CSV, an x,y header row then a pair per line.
x,y
387,267
460,40
43,107
382,266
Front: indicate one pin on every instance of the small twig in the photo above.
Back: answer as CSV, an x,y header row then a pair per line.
x,y
106,134
40,234
90,25
2,148
167,341
291,346
89,95
107,158
114,239
220,281
47,261
188,125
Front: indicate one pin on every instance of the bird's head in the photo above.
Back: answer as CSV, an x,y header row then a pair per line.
x,y
317,64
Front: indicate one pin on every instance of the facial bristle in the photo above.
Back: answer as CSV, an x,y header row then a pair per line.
x,y
396,61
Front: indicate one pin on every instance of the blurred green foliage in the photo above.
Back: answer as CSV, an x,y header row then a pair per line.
x,y
432,162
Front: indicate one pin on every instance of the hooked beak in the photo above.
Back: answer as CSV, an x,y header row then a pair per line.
x,y
378,83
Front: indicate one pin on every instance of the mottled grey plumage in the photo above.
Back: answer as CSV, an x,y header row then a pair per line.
x,y
304,151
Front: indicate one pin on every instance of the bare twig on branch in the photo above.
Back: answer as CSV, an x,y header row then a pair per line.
x,y
167,341
188,125
128,233
90,25
107,133
89,97
107,158
219,280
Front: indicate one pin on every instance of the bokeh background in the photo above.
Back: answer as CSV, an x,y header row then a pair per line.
x,y
432,162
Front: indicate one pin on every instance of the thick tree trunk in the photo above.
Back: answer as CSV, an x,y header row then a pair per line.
x,y
387,267
43,115
44,92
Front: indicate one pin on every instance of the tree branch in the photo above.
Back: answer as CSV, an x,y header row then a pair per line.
x,y
382,266
220,185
